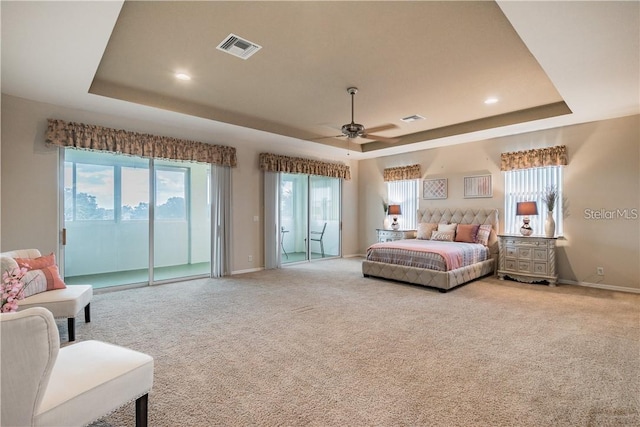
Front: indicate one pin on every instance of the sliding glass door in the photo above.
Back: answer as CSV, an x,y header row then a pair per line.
x,y
309,217
108,221
293,217
324,217
182,220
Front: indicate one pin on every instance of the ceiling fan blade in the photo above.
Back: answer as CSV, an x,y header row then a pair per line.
x,y
326,137
381,128
381,138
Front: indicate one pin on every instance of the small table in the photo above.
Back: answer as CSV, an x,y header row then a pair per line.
x,y
391,235
282,233
528,259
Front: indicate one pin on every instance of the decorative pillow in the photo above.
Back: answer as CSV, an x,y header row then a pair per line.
x,y
467,233
425,229
39,268
447,227
484,231
443,236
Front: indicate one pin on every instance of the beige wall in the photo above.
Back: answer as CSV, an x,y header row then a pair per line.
x,y
29,181
603,173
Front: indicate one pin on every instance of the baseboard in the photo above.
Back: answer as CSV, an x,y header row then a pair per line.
x,y
600,286
248,270
353,256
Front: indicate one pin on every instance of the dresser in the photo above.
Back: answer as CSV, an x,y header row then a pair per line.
x,y
527,259
391,235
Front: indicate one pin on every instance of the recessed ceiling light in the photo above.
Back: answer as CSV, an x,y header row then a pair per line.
x,y
183,76
490,101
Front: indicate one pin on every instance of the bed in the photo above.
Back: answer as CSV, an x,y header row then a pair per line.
x,y
443,267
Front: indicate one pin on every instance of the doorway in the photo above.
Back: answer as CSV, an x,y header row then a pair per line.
x,y
309,217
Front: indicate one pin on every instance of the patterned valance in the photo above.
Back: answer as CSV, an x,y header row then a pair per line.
x,y
276,163
402,173
537,158
98,138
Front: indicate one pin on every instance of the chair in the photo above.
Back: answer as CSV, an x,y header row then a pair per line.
x,y
317,236
45,385
63,303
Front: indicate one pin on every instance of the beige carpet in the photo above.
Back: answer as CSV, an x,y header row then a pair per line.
x,y
320,345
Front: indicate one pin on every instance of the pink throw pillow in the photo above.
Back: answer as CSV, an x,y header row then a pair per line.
x,y
467,233
46,264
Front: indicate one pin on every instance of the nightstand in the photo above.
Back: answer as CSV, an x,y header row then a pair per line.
x,y
391,235
528,259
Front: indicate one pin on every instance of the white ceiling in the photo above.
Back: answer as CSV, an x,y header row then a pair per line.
x,y
589,51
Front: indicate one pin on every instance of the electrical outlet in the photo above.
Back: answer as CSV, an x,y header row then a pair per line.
x,y
250,258
600,271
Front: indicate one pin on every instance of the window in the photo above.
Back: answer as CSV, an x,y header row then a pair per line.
x,y
88,192
171,193
405,194
523,185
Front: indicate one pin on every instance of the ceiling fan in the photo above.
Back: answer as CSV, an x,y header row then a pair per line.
x,y
356,130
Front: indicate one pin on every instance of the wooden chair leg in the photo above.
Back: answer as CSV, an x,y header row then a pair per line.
x,y
71,328
142,410
87,313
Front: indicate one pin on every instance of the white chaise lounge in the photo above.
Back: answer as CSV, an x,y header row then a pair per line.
x,y
45,385
63,303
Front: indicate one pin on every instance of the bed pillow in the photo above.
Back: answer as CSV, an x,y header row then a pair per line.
x,y
467,233
425,229
447,227
484,231
43,274
443,236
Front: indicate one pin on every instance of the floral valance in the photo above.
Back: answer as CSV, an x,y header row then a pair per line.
x,y
402,173
98,138
276,163
537,158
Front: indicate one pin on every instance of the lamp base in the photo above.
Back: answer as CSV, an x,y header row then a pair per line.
x,y
395,225
526,229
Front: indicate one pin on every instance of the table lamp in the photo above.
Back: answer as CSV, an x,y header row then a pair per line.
x,y
394,211
526,209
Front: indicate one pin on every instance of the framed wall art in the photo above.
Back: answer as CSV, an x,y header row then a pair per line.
x,y
477,186
434,188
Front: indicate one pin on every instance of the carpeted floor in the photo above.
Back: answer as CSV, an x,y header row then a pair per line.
x,y
319,345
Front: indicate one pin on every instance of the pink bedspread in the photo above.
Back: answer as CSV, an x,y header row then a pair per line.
x,y
434,255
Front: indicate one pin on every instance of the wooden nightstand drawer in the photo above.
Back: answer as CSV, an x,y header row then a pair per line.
x,y
540,254
524,266
525,253
540,267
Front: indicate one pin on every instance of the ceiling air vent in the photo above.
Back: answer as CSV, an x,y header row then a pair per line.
x,y
237,46
413,118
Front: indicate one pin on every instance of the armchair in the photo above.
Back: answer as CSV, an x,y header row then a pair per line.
x,y
45,385
63,303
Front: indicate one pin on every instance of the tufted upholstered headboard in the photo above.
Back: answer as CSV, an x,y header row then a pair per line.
x,y
465,216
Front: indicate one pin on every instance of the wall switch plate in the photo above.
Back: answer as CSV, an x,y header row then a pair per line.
x,y
256,218
600,271
250,258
